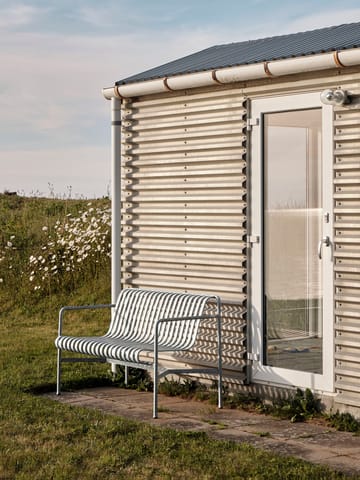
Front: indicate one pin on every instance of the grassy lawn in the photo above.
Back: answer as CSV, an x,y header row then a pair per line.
x,y
42,439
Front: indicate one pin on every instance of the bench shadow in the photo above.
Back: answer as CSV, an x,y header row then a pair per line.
x,y
138,379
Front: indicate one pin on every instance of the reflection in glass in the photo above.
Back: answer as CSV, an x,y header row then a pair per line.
x,y
292,229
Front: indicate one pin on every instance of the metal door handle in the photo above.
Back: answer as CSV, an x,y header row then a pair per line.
x,y
326,242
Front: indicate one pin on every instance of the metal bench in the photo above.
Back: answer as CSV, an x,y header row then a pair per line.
x,y
145,322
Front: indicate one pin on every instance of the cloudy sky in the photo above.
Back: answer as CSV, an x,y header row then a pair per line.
x,y
56,55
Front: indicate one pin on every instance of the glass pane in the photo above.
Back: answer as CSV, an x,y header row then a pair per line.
x,y
292,229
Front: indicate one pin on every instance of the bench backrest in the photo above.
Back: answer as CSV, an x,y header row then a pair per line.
x,y
137,310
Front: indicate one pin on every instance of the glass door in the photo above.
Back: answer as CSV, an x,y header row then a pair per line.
x,y
291,264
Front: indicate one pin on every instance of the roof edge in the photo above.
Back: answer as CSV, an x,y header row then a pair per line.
x,y
222,76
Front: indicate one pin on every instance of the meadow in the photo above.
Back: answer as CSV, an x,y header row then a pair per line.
x,y
55,252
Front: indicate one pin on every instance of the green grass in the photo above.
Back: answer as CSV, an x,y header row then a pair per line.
x,y
41,439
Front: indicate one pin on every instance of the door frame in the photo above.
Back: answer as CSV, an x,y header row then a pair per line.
x,y
259,372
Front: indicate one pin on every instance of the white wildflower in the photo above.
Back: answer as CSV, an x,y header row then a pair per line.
x,y
44,228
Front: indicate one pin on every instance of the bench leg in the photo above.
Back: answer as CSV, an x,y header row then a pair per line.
x,y
58,374
114,370
155,394
220,405
219,353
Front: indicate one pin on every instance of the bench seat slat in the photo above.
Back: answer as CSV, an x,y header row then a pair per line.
x,y
110,348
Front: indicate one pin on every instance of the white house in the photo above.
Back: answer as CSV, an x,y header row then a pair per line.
x,y
236,171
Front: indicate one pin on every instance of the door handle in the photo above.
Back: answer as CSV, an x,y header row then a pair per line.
x,y
324,241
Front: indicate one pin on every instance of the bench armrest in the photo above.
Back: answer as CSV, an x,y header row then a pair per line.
x,y
216,315
185,319
79,307
182,319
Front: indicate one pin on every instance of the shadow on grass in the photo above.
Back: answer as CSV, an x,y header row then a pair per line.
x,y
70,385
138,380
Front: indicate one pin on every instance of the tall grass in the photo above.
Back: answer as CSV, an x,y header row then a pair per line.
x,y
42,439
49,246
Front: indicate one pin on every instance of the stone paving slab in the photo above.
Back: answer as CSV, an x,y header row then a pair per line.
x,y
312,442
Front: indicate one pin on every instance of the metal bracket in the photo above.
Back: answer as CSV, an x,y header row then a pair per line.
x,y
251,239
326,242
254,357
251,122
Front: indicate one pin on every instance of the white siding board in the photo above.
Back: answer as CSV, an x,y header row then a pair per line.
x,y
184,205
347,254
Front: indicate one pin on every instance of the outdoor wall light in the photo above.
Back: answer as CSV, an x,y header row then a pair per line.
x,y
334,97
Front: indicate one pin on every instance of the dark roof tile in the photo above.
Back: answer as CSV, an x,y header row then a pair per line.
x,y
313,42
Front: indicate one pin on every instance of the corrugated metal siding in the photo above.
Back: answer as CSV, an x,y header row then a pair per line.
x,y
195,143
184,204
347,253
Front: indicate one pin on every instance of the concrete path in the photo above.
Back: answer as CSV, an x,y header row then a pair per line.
x,y
312,442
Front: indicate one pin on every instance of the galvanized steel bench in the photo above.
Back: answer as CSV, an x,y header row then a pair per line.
x,y
145,321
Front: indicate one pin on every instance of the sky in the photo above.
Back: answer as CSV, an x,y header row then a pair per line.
x,y
56,56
